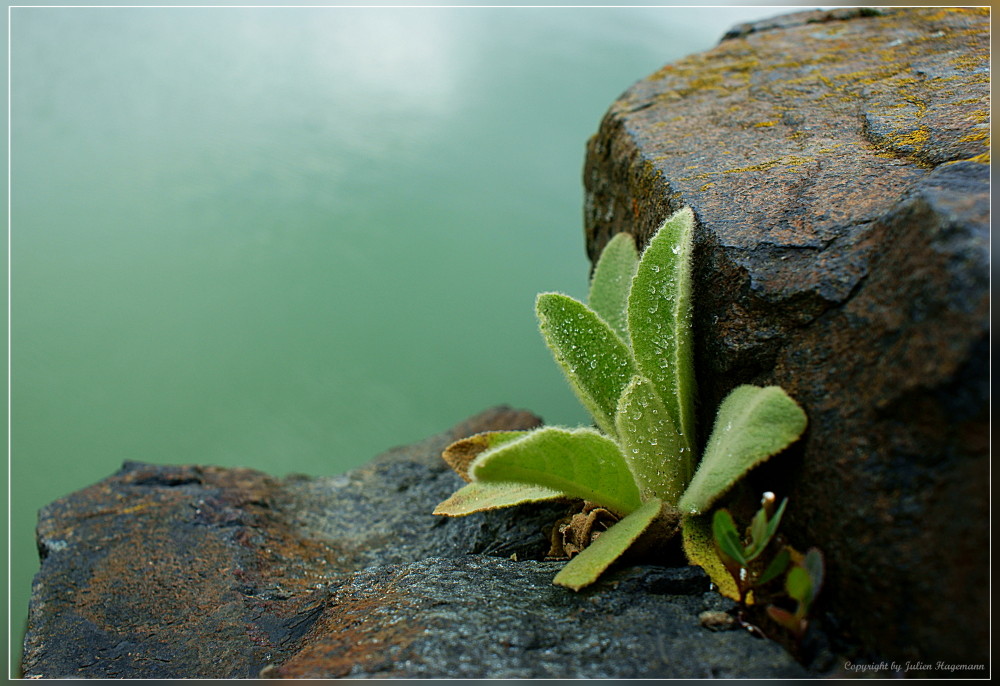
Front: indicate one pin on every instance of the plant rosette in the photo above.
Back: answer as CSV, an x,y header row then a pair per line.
x,y
628,356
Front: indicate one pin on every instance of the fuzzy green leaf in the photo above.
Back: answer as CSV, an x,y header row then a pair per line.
x,y
753,424
586,567
658,458
612,280
578,462
460,454
659,318
478,496
699,546
596,362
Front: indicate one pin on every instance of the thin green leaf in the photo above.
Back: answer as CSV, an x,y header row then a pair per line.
x,y
752,425
699,546
596,362
798,585
586,567
773,522
578,462
778,565
658,458
659,318
758,530
612,280
478,496
768,528
727,538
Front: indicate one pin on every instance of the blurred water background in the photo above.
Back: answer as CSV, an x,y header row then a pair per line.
x,y
289,239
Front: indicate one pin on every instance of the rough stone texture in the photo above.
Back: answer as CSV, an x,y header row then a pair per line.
x,y
468,618
140,568
185,571
838,165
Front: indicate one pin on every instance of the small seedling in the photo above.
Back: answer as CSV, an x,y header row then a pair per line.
x,y
802,584
629,359
741,558
737,556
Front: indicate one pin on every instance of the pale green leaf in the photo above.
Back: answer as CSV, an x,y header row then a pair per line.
x,y
586,567
612,280
595,360
659,318
658,458
753,424
699,546
478,496
578,462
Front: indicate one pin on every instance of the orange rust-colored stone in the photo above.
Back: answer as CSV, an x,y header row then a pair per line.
x,y
186,571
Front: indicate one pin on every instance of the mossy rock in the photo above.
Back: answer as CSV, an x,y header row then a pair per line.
x,y
838,166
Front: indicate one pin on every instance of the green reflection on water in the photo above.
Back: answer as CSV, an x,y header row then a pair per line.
x,y
290,239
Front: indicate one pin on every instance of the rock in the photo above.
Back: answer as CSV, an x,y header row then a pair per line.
x,y
171,571
486,617
838,166
184,571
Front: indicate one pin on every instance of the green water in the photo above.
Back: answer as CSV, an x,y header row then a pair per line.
x,y
289,239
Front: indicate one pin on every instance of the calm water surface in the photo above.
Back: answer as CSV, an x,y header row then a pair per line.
x,y
289,239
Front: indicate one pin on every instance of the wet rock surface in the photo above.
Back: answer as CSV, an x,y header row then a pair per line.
x,y
477,616
185,571
838,165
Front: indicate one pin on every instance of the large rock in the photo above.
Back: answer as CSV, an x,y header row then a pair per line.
x,y
838,166
476,616
184,571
